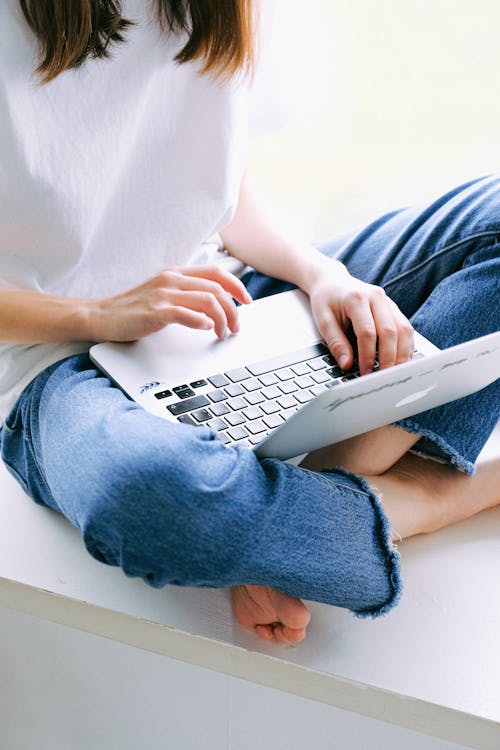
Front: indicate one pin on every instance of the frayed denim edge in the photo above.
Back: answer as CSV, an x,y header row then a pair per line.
x,y
391,551
455,459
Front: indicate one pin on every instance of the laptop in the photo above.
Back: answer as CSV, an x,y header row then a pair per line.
x,y
275,388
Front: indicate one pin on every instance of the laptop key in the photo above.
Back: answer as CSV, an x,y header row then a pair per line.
x,y
301,369
304,396
256,427
252,412
252,384
318,389
330,359
273,420
235,419
288,386
240,373
256,439
270,407
186,419
181,407
268,378
224,438
335,372
287,401
234,389
237,433
202,415
332,383
287,359
219,409
320,377
184,393
255,397
218,381
236,403
285,373
305,381
163,394
317,364
272,392
217,395
217,424
198,383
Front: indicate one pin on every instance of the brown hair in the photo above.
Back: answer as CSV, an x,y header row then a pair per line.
x,y
220,32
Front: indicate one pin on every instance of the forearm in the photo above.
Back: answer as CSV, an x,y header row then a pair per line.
x,y
28,317
252,238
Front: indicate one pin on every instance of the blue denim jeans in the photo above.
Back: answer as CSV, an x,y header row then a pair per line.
x,y
167,502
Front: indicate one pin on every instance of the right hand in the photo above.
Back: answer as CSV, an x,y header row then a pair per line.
x,y
197,297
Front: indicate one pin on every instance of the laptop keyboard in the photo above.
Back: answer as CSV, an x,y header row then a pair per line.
x,y
246,404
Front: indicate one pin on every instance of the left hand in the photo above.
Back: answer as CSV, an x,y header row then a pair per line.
x,y
339,299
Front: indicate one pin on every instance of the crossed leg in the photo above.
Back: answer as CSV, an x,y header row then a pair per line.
x,y
418,496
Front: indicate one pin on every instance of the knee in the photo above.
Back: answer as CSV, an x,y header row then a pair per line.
x,y
171,516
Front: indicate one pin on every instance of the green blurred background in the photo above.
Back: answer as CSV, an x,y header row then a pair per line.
x,y
396,101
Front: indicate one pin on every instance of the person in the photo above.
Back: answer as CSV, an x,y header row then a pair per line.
x,y
122,152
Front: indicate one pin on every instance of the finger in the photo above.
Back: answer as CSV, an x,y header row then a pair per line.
x,y
361,317
228,281
334,337
189,318
406,335
203,302
387,332
224,299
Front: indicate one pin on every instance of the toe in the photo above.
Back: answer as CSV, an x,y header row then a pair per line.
x,y
265,632
294,635
292,612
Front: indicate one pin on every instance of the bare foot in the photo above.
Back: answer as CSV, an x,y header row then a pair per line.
x,y
271,614
421,496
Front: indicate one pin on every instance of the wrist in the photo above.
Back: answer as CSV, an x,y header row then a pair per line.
x,y
317,267
90,320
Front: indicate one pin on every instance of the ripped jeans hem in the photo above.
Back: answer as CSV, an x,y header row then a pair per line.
x,y
447,453
385,539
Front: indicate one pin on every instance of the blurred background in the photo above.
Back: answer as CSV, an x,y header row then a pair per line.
x,y
392,102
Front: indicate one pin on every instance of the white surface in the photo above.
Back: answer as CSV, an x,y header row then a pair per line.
x,y
432,665
76,691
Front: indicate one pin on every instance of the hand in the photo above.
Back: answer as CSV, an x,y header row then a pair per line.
x,y
338,299
197,297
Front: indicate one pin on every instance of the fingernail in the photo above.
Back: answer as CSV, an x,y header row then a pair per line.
x,y
248,298
343,361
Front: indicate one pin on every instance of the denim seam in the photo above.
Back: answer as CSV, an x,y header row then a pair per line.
x,y
385,538
442,251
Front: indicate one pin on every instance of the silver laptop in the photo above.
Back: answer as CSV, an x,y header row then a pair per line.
x,y
275,388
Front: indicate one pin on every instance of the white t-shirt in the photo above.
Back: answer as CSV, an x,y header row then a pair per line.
x,y
109,173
